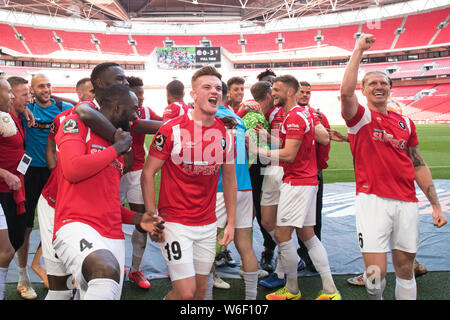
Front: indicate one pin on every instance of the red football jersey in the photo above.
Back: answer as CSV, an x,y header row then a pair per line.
x,y
299,124
379,144
175,109
275,117
139,139
12,150
49,192
322,151
193,155
95,199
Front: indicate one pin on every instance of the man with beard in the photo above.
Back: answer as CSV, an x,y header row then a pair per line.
x,y
88,235
296,207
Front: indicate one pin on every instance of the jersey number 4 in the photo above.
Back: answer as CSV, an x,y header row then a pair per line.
x,y
85,244
173,250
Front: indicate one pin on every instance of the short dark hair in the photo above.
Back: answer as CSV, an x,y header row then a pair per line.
x,y
260,89
113,93
15,80
176,89
304,84
268,72
81,82
224,90
206,71
99,69
135,82
233,80
289,80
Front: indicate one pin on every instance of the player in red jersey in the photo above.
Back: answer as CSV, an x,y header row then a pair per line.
x,y
190,150
88,235
387,161
175,95
296,207
130,185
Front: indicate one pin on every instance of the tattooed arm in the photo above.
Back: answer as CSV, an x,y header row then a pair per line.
x,y
425,181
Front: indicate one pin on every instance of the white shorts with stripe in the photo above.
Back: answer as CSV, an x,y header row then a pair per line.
x,y
244,210
384,224
189,250
297,206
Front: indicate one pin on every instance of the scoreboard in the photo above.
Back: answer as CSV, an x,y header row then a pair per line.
x,y
207,54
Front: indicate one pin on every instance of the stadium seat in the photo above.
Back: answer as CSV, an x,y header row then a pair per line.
x,y
425,22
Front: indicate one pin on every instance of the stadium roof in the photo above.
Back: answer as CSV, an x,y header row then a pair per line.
x,y
185,11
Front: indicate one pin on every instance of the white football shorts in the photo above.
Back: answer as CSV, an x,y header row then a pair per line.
x,y
75,241
130,188
270,190
384,224
189,250
3,224
297,206
244,210
46,217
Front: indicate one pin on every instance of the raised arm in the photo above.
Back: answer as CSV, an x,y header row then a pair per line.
x,y
425,182
349,101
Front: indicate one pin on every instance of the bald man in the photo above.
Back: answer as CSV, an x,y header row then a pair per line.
x,y
44,109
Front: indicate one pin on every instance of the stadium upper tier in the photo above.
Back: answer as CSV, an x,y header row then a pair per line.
x,y
418,30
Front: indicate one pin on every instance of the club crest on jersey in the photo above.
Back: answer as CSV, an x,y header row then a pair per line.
x,y
139,113
71,126
402,125
159,141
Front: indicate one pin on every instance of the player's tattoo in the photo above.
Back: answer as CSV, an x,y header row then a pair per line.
x,y
414,154
431,195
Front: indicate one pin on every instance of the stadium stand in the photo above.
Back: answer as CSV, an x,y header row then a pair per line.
x,y
299,39
384,32
39,41
78,41
261,42
8,39
427,22
229,41
114,43
146,44
342,37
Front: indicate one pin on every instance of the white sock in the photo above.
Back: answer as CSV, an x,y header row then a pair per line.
x,y
139,242
209,286
279,268
251,284
59,295
405,289
102,289
319,258
3,273
374,290
23,275
288,259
